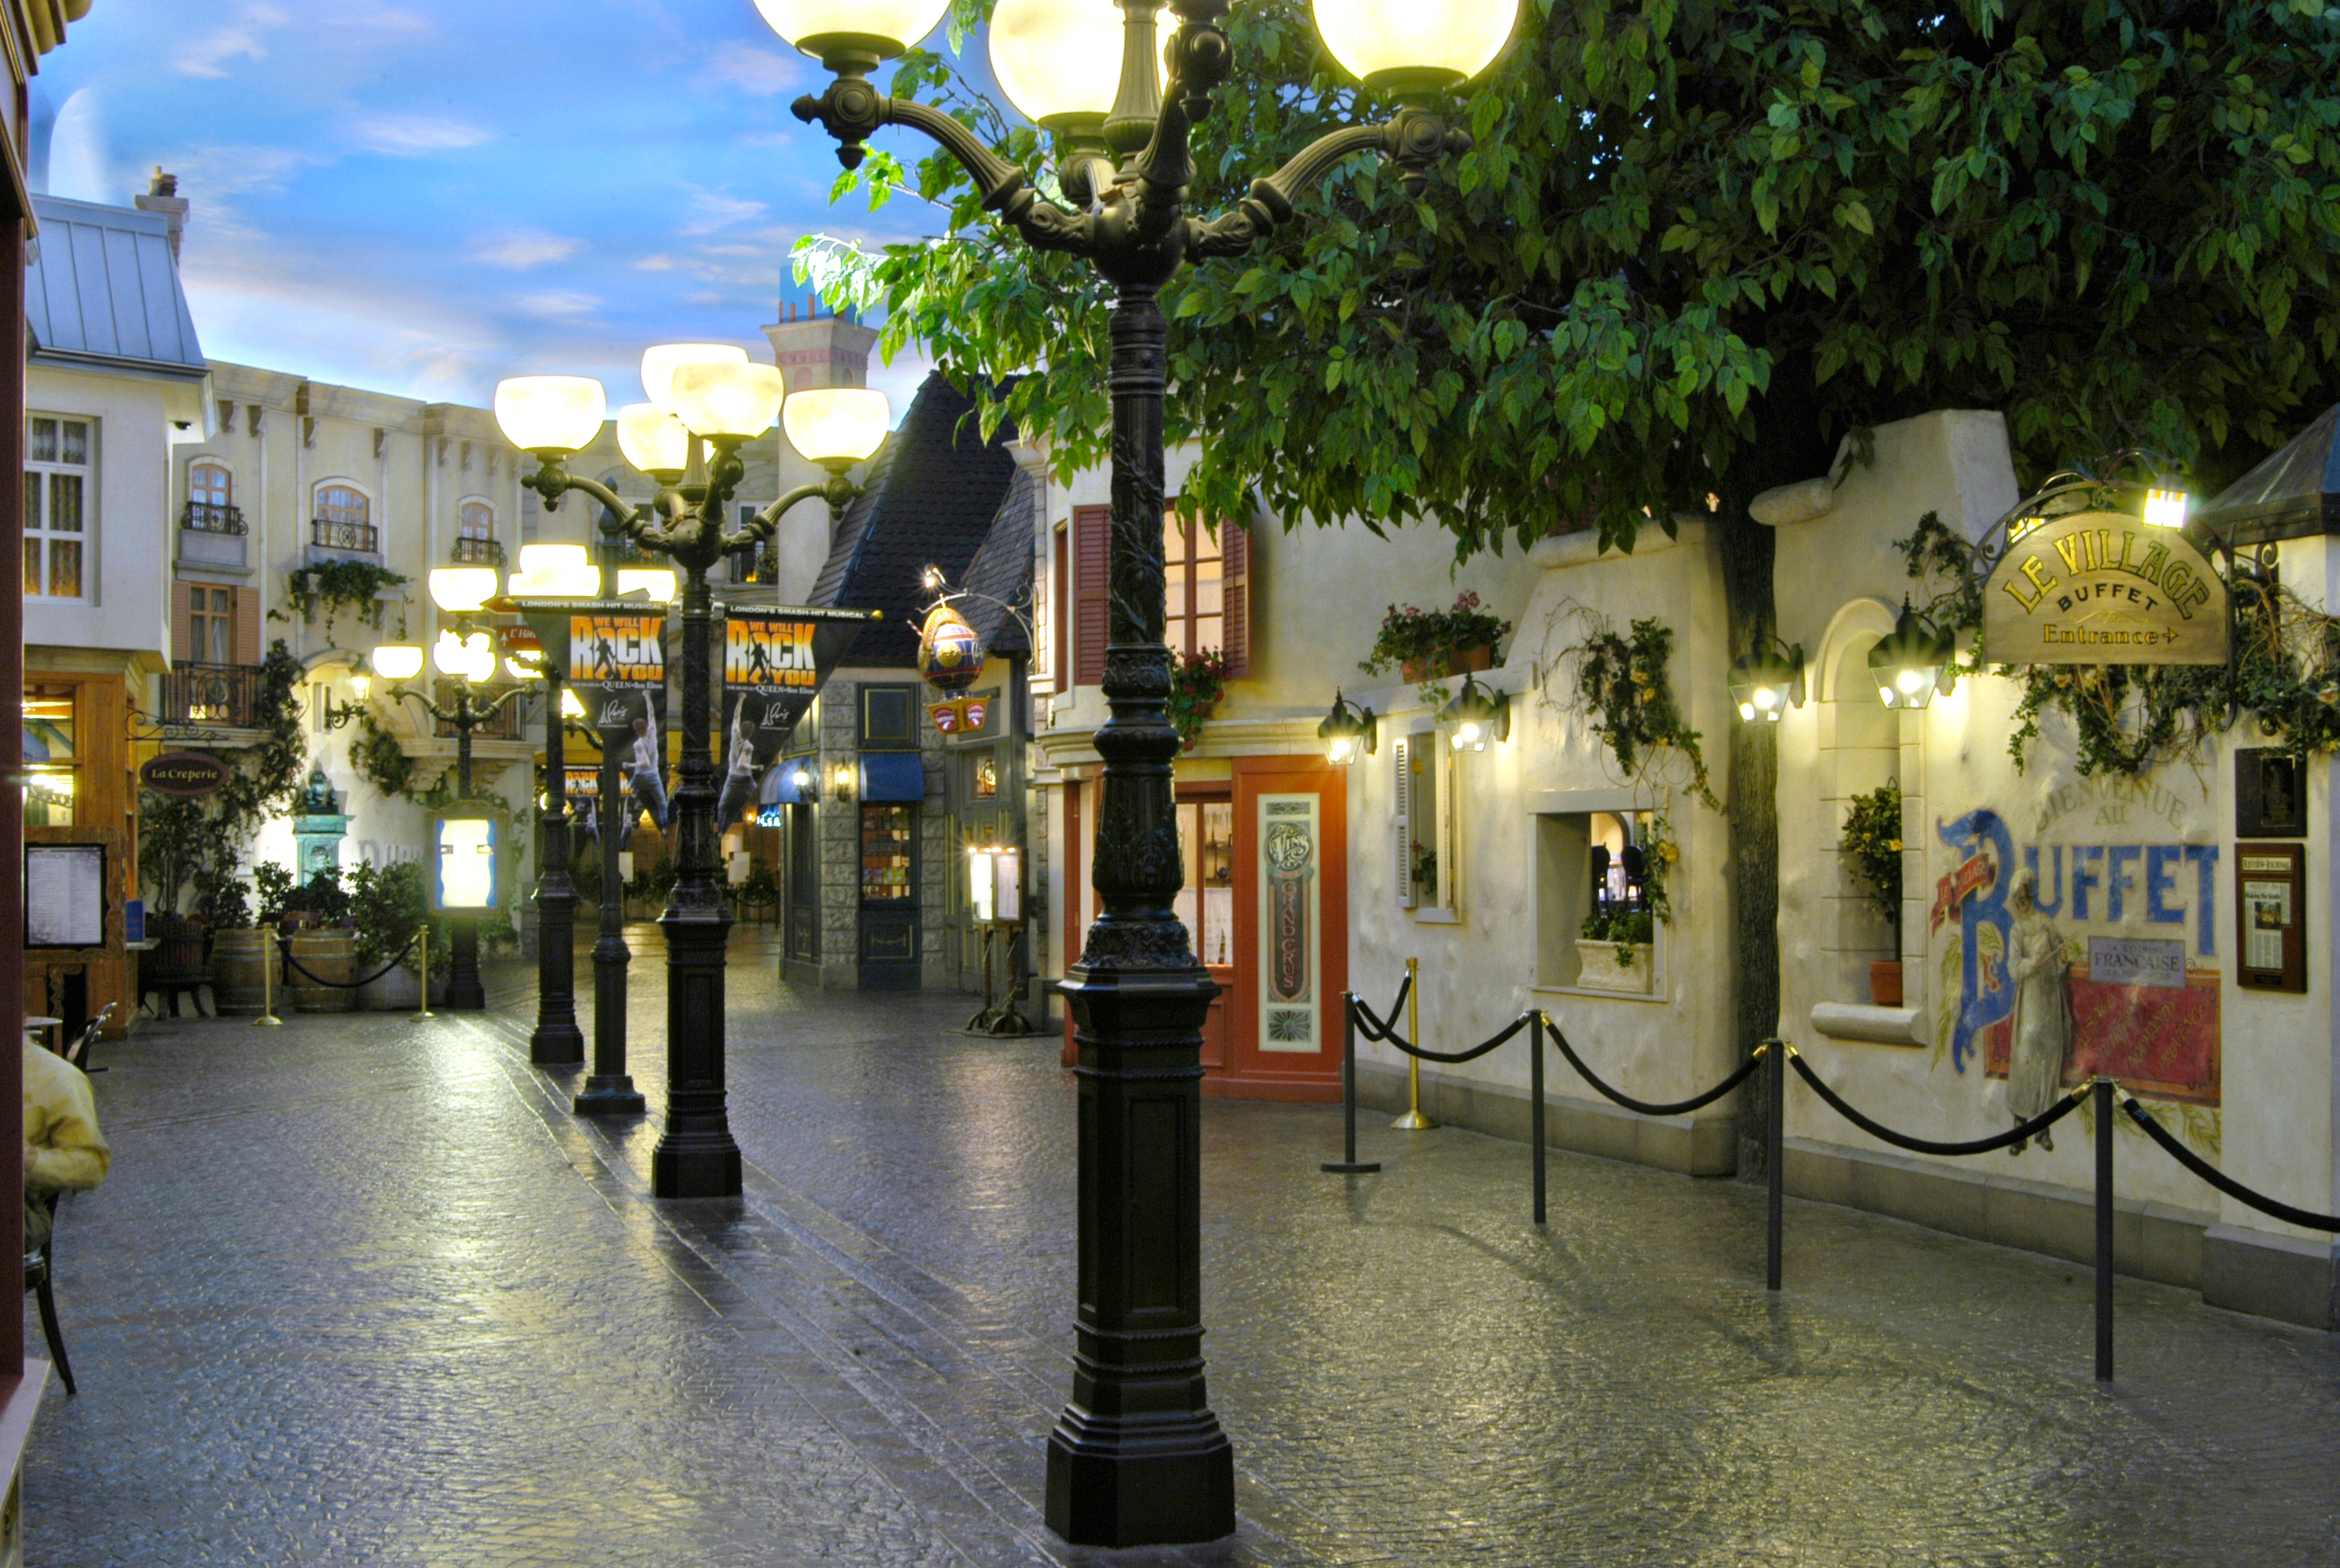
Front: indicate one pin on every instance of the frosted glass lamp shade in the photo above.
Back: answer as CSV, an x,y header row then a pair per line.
x,y
852,31
555,571
569,707
658,582
837,424
550,413
1403,45
653,440
460,590
658,366
396,660
728,400
1059,59
471,658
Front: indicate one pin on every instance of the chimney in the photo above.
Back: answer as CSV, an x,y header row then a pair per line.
x,y
162,196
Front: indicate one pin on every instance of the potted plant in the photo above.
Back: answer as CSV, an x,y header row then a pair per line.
x,y
1872,840
389,906
237,946
1432,644
1197,683
1613,949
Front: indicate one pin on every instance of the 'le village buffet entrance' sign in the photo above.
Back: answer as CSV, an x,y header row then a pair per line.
x,y
2104,588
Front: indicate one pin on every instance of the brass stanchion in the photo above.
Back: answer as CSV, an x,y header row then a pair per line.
x,y
268,1018
1414,1121
423,1003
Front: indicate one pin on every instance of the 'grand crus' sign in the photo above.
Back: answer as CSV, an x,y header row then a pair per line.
x,y
2103,588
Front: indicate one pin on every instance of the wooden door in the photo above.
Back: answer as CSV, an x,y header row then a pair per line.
x,y
1291,882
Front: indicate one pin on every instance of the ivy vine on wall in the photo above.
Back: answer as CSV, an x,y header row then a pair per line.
x,y
1617,681
337,585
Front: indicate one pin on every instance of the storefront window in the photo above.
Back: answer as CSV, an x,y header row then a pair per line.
x,y
1206,904
50,757
886,852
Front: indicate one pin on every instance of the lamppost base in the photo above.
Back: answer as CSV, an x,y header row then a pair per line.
x,y
1136,1480
603,1096
710,1171
557,1046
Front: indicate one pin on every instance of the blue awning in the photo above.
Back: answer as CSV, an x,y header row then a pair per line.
x,y
779,788
893,775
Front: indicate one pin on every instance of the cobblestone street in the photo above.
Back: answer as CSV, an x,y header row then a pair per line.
x,y
361,1290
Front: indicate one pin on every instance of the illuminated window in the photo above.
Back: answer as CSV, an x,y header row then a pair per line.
x,y
1193,587
49,756
58,483
210,626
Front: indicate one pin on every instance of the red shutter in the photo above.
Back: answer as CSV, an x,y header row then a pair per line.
x,y
1060,612
182,634
1235,552
1092,550
245,638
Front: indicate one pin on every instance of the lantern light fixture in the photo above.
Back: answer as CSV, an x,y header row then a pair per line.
x,y
555,571
657,582
2166,508
461,589
654,441
1768,681
1477,716
727,400
471,658
571,708
396,660
1913,662
1406,47
855,36
660,364
1348,731
1059,61
360,685
550,413
836,426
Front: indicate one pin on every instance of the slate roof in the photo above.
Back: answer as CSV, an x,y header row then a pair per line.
x,y
2297,491
1000,575
932,497
105,291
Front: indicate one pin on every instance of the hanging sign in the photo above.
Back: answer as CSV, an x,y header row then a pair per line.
x,y
2104,588
950,655
184,774
782,655
961,716
627,650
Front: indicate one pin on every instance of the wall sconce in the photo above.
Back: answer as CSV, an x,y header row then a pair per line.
x,y
2166,508
1768,681
1478,716
841,787
1914,662
336,715
1348,731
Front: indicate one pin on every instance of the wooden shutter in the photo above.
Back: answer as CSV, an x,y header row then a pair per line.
x,y
1092,613
1235,553
183,636
1401,830
1060,612
244,639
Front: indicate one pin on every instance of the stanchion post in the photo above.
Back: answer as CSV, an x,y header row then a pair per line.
x,y
268,1018
1535,1106
1775,1140
423,1003
2103,1092
1414,1121
1348,1164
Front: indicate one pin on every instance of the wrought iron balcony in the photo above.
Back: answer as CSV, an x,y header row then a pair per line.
x,y
506,725
227,695
468,551
332,533
756,565
209,517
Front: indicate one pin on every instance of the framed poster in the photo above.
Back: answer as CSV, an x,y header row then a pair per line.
x,y
65,895
2270,917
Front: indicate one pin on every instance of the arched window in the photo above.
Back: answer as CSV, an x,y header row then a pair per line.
x,y
344,519
210,494
479,520
475,535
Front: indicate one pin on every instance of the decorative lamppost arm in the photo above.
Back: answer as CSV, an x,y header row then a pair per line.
x,y
837,490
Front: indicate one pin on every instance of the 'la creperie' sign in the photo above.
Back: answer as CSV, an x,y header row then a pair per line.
x,y
2104,588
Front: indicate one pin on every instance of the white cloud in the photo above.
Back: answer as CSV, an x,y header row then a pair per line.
x,y
525,249
764,71
655,264
240,40
713,211
411,135
558,303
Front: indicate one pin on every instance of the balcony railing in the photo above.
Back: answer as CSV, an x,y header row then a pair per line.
x,y
504,726
228,695
209,517
332,533
471,552
756,565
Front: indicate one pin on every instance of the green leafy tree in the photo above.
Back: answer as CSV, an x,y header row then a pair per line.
x,y
1696,246
193,843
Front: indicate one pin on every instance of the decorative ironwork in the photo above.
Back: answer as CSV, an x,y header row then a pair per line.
x,y
470,551
505,723
335,533
212,516
228,695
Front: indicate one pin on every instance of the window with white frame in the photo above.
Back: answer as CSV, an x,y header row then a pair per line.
x,y
1589,863
1422,841
60,483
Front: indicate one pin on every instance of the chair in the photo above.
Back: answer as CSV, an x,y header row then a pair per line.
x,y
36,1280
78,1052
175,965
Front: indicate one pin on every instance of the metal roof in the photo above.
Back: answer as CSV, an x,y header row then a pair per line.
x,y
104,290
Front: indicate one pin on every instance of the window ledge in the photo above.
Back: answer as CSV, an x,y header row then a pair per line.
x,y
1436,917
1658,993
1860,1021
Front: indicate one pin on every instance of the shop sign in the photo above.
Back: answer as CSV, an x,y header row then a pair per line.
x,y
2104,588
184,774
961,716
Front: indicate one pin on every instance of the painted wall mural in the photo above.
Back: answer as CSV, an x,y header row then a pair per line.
x,y
2111,891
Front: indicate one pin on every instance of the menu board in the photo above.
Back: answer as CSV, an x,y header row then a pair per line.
x,y
65,895
2270,917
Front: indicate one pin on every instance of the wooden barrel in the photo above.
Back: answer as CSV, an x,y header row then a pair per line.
x,y
325,954
236,958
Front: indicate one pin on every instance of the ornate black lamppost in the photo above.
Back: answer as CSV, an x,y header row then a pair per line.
x,y
1137,1458
704,409
473,661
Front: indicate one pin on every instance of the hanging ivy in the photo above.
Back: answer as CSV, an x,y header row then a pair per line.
x,y
337,585
2283,670
1617,681
193,844
381,760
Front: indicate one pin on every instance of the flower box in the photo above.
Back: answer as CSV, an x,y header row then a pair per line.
x,y
1451,661
1603,970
